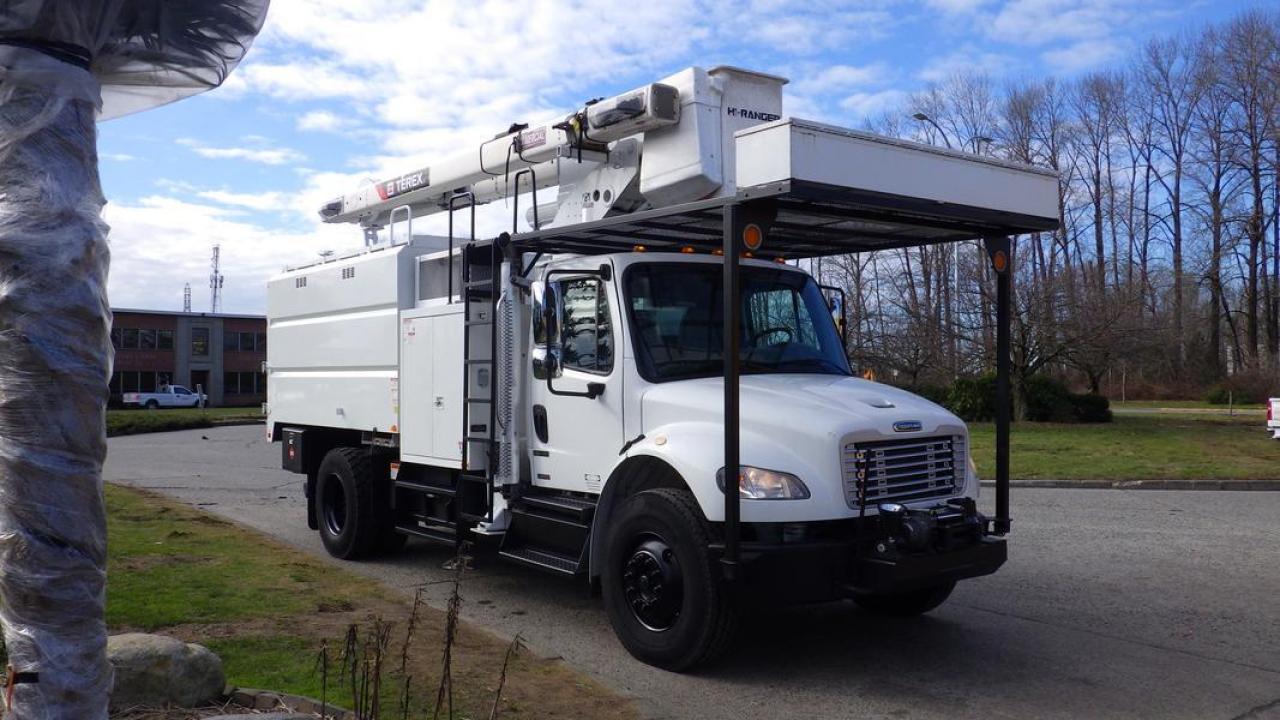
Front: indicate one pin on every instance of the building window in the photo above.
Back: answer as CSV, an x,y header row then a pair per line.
x,y
262,342
129,339
244,383
246,342
116,337
164,340
147,339
199,341
230,341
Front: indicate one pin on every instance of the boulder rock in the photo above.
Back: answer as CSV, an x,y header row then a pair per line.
x,y
159,671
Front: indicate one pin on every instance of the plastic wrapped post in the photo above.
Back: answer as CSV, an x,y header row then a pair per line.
x,y
61,64
55,358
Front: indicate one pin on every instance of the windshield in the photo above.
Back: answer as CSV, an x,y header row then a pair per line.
x,y
677,320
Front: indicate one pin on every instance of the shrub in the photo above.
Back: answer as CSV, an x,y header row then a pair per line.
x,y
973,399
1048,400
1091,408
940,394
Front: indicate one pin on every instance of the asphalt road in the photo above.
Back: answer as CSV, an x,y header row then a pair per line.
x,y
1114,604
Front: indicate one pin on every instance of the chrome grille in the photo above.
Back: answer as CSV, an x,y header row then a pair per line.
x,y
903,470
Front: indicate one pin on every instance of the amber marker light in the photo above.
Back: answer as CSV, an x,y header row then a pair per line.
x,y
638,248
752,236
1000,261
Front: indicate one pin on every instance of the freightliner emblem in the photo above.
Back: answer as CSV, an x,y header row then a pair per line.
x,y
908,426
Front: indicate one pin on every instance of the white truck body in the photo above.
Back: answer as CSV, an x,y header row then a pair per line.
x,y
168,397
601,362
1273,417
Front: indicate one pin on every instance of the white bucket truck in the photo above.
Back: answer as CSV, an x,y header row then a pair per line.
x,y
562,393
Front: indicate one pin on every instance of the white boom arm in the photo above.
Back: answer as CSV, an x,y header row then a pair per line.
x,y
583,136
685,124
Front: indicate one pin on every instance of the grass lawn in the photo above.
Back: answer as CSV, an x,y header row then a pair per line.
x,y
1182,405
132,422
267,609
1136,447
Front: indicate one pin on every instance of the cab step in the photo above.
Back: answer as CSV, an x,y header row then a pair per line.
x,y
549,531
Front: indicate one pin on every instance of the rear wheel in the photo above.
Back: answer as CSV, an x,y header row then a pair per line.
x,y
661,587
350,509
152,404
906,604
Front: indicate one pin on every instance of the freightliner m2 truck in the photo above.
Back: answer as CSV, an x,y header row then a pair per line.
x,y
637,385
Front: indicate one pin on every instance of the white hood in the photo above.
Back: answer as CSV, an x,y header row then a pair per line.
x,y
794,423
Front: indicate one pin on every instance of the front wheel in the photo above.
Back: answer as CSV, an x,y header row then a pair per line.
x,y
906,604
662,589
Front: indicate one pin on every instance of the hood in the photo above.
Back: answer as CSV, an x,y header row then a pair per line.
x,y
834,405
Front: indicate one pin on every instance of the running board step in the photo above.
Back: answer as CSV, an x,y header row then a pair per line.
x,y
547,539
446,536
544,560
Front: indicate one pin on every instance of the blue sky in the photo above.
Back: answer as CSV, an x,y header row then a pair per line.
x,y
335,92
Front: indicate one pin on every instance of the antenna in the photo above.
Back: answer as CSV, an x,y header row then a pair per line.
x,y
186,298
215,281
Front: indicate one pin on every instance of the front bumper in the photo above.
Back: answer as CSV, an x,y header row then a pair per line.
x,y
860,559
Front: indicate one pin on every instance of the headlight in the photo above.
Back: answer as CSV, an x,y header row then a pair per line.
x,y
760,484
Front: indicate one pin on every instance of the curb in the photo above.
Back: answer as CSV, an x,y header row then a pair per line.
x,y
1233,485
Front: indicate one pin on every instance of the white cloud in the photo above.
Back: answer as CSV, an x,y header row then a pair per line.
x,y
264,155
1083,55
153,272
869,104
117,157
1045,22
957,7
253,201
969,59
321,120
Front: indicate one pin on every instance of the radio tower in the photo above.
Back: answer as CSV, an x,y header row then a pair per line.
x,y
215,282
186,298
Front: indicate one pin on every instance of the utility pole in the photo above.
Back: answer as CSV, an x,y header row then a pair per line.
x,y
186,298
215,281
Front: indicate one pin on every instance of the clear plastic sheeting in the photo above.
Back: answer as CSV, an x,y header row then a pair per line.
x,y
60,63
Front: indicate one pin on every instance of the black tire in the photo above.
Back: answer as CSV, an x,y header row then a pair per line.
x,y
674,632
351,521
906,604
152,405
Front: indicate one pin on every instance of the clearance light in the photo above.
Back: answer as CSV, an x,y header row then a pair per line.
x,y
760,484
638,248
1000,261
717,251
748,255
687,249
780,260
752,236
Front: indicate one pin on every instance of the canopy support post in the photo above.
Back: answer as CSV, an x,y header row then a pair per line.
x,y
731,408
999,252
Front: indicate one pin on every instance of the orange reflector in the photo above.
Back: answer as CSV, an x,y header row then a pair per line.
x,y
686,249
638,248
752,236
1000,261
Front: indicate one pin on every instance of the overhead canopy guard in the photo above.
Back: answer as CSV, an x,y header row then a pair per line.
x,y
838,191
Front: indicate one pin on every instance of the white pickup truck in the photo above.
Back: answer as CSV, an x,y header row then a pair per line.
x,y
1273,417
166,396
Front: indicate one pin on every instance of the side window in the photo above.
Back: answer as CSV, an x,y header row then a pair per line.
x,y
586,330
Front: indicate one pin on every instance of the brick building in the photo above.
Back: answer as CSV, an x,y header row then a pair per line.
x,y
221,353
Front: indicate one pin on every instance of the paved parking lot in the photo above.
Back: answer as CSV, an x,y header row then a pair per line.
x,y
1114,604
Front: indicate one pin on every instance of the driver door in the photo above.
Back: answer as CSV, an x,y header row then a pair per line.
x,y
576,387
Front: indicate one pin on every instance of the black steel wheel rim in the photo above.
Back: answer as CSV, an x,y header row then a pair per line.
x,y
335,505
652,584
